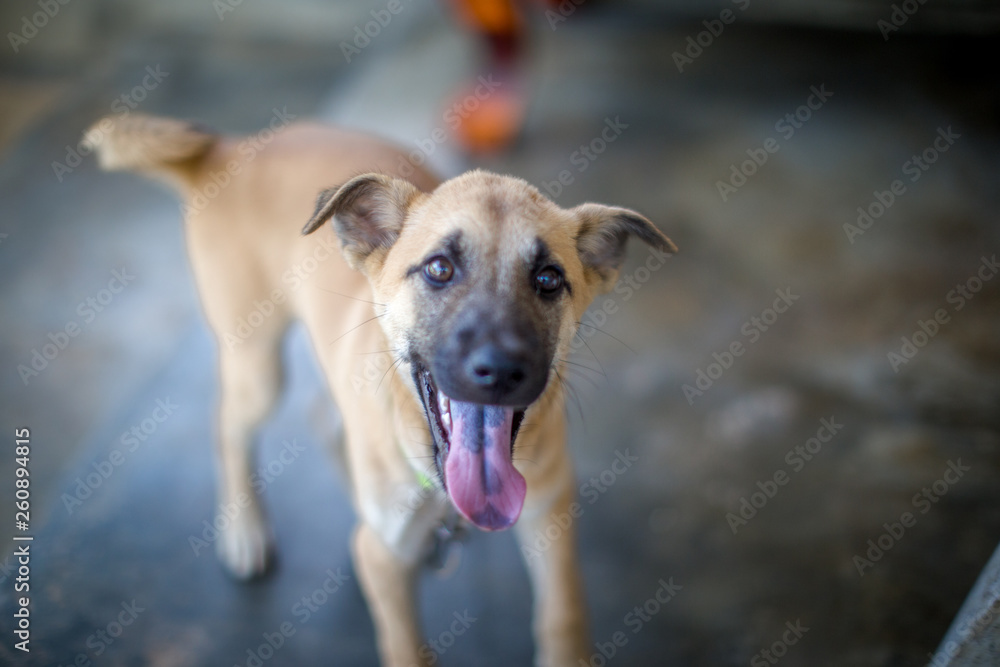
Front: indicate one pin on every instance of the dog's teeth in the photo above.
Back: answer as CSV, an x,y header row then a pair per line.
x,y
444,407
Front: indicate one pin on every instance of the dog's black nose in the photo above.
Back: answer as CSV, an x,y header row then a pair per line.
x,y
496,370
491,364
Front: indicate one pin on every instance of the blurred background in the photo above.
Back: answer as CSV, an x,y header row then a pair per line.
x,y
810,387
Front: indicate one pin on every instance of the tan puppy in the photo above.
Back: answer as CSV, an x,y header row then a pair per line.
x,y
474,286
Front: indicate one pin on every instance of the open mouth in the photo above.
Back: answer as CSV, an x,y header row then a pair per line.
x,y
473,449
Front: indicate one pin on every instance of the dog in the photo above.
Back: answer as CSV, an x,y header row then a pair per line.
x,y
476,287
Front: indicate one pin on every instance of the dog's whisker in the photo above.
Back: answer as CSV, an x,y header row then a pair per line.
x,y
599,364
612,336
577,364
583,376
569,360
574,361
571,392
370,319
564,383
574,373
399,363
348,296
392,366
362,354
579,410
574,398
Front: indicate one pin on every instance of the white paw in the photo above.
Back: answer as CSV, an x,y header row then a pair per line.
x,y
245,546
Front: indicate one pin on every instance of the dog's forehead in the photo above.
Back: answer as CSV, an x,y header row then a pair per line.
x,y
494,211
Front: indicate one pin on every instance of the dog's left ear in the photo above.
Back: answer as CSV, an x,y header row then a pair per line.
x,y
368,213
602,235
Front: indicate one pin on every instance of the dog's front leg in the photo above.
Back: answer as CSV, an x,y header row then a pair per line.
x,y
389,584
548,543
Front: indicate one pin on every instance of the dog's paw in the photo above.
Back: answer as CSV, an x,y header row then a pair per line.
x,y
246,547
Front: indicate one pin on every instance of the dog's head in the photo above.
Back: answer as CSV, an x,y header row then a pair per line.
x,y
481,285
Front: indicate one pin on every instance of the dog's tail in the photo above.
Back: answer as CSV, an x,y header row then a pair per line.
x,y
164,148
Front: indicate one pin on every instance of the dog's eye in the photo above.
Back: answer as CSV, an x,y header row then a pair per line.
x,y
439,270
548,281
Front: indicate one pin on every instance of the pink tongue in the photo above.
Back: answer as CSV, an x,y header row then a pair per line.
x,y
482,481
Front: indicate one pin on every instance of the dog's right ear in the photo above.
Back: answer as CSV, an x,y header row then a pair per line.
x,y
368,213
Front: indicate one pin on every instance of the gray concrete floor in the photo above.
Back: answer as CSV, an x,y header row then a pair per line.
x,y
796,560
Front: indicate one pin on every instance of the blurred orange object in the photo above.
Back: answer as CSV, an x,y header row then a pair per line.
x,y
490,119
489,123
496,17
